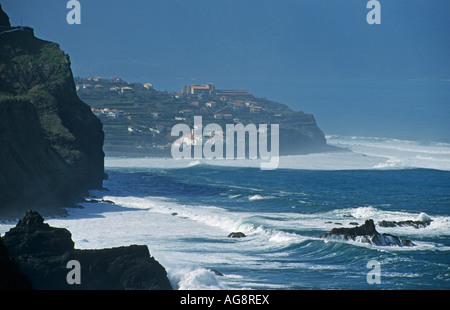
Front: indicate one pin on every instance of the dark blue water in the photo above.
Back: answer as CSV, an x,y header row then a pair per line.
x,y
284,212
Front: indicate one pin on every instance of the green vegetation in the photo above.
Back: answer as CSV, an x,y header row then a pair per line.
x,y
137,119
50,142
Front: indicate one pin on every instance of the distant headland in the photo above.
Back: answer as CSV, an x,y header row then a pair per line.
x,y
137,118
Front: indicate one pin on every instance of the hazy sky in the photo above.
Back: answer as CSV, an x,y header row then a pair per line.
x,y
299,52
254,39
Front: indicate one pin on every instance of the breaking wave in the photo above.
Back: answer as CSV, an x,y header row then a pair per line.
x,y
358,153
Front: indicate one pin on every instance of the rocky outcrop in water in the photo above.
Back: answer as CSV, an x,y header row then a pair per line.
x,y
43,252
236,234
422,221
408,223
366,233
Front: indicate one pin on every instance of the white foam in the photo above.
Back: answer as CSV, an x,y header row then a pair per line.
x,y
439,226
258,197
423,217
149,162
398,154
149,220
364,153
194,163
194,279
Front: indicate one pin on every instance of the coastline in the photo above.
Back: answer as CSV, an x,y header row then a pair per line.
x,y
185,215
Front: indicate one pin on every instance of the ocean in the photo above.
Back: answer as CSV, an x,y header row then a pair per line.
x,y
415,109
185,209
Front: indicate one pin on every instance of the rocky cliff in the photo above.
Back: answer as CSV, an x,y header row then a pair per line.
x,y
50,142
4,18
38,255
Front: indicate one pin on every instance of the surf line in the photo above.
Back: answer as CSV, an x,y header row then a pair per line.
x,y
209,142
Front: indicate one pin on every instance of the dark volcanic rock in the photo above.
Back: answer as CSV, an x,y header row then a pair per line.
x,y
366,233
415,224
11,278
368,228
236,235
4,19
128,267
42,253
32,236
51,142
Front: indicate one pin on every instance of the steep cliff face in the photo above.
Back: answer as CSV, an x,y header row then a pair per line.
x,y
50,142
4,18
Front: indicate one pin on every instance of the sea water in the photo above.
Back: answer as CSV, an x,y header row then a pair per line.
x,y
184,211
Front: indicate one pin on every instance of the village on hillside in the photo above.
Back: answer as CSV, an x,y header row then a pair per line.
x,y
138,118
200,98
